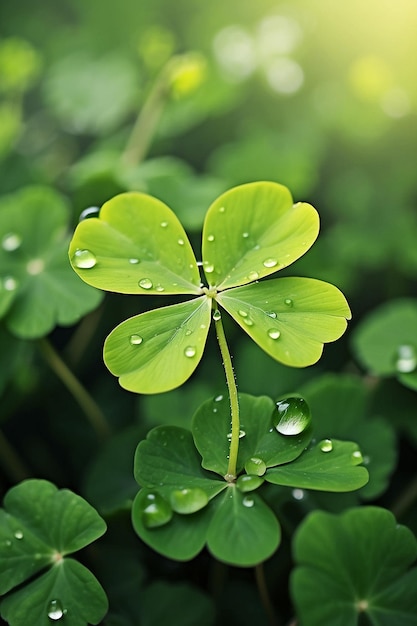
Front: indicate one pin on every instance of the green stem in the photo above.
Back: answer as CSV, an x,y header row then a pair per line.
x,y
11,461
405,500
234,401
91,410
264,594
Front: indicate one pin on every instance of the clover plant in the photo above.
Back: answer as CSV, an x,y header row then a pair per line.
x,y
204,487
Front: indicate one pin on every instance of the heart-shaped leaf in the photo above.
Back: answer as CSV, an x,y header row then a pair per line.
x,y
259,439
354,564
254,230
159,350
67,592
37,286
329,465
289,318
137,245
38,526
244,531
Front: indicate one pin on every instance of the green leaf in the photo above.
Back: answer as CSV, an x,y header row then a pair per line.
x,y
137,245
38,289
340,408
159,350
330,465
211,426
289,318
254,230
168,460
68,591
385,341
244,531
354,564
38,526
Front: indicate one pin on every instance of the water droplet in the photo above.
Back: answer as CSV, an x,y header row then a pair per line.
x,y
245,235
190,351
55,610
298,494
210,238
203,326
292,417
406,360
156,511
91,211
159,288
274,333
180,242
247,482
188,332
199,263
11,242
256,466
8,543
164,224
271,314
288,302
217,315
135,340
145,283
243,313
222,209
241,435
18,534
248,321
357,455
326,445
218,398
133,261
187,501
253,275
209,268
270,262
248,502
229,477
9,283
84,259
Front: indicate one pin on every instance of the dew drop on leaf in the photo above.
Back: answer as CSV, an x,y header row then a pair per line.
x,y
248,482
406,360
256,466
156,511
133,261
145,283
217,315
218,398
271,314
245,235
159,288
248,321
243,313
84,259
18,534
11,242
190,351
292,416
180,242
358,455
222,209
248,502
210,238
135,340
55,610
185,501
91,211
273,333
270,262
326,445
288,302
253,275
209,268
241,435
164,224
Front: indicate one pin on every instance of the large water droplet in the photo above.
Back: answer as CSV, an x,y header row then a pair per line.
x,y
273,333
253,275
271,314
11,242
145,283
292,416
190,351
243,313
210,238
91,211
248,502
288,302
187,501
248,482
357,455
84,259
156,511
326,445
135,340
256,466
134,261
10,283
248,321
180,242
209,268
159,288
55,610
218,398
18,534
406,360
217,315
270,262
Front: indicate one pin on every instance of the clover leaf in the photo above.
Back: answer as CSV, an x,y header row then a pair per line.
x,y
354,565
137,245
39,526
37,286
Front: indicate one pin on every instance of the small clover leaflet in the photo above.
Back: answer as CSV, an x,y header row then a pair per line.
x,y
138,246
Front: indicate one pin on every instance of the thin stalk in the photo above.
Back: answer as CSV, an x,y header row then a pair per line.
x,y
264,594
234,402
90,408
11,461
406,499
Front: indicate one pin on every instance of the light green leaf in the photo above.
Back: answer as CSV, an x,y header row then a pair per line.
x,y
289,318
254,230
330,465
158,350
244,531
137,245
40,524
354,565
67,592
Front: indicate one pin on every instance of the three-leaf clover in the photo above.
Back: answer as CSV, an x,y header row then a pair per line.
x,y
138,246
